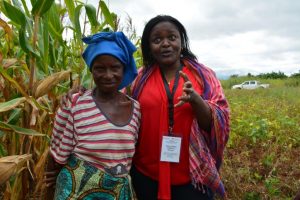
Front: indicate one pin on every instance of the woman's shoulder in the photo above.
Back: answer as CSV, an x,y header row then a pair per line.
x,y
86,94
80,98
200,70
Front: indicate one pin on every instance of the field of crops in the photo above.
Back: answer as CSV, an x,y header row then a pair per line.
x,y
262,159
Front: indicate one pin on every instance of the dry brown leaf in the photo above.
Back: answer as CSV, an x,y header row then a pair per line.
x,y
34,115
2,84
39,170
76,82
10,165
9,62
35,112
44,86
1,57
40,165
6,28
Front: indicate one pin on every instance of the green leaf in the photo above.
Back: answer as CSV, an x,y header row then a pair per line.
x,y
41,6
20,130
92,15
33,2
3,151
8,105
46,45
14,14
55,34
1,133
17,4
52,57
14,116
25,44
77,22
71,9
86,80
107,15
25,7
54,25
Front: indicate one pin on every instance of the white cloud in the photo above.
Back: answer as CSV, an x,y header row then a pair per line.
x,y
231,37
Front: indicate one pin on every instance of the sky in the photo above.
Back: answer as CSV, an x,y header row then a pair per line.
x,y
232,36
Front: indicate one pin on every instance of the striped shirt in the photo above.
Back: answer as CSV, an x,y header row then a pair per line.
x,y
82,129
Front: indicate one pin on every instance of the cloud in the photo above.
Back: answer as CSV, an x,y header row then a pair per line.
x,y
237,36
231,17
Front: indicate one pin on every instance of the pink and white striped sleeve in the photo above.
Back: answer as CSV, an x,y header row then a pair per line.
x,y
62,141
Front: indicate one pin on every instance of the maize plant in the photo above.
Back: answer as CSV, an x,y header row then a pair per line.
x,y
40,59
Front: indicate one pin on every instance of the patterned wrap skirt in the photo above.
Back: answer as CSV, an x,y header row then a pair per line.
x,y
80,180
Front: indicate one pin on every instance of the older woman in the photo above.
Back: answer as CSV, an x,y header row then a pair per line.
x,y
95,133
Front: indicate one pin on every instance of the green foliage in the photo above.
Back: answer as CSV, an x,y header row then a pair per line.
x,y
286,82
259,131
268,160
40,59
70,5
19,130
14,14
272,184
91,13
262,156
295,75
109,18
272,75
252,196
41,7
3,151
293,81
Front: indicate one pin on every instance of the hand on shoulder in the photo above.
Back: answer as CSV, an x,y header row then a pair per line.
x,y
68,96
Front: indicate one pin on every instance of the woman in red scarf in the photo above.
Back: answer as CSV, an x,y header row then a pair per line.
x,y
185,119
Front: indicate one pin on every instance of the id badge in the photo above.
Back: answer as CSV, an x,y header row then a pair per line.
x,y
170,150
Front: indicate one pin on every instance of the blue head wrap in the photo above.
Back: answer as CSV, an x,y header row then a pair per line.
x,y
115,44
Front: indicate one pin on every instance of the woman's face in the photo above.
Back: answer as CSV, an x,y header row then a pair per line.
x,y
165,44
107,73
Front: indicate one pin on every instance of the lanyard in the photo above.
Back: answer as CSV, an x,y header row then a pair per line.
x,y
170,96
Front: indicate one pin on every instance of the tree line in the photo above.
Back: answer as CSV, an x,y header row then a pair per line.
x,y
270,75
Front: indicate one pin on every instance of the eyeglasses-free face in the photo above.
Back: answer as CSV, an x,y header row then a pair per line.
x,y
107,73
165,44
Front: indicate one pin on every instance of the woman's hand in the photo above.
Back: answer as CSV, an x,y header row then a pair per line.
x,y
52,170
50,177
188,91
50,182
200,108
79,89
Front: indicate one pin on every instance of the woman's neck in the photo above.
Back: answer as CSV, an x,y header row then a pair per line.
x,y
170,70
106,96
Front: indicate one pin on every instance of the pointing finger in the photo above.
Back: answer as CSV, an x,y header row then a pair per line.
x,y
184,76
180,103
